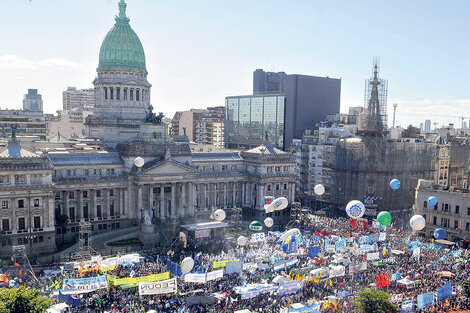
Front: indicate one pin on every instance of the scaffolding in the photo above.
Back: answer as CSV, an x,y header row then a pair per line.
x,y
235,221
84,250
375,93
296,215
22,268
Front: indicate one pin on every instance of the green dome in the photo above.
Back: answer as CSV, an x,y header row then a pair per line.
x,y
121,48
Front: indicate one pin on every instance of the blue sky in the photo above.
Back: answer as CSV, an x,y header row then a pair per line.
x,y
198,52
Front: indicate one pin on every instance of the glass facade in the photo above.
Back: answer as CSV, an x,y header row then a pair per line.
x,y
249,119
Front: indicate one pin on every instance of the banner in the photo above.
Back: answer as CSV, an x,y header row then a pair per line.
x,y
383,236
313,251
283,264
75,302
258,237
372,256
336,271
408,306
396,298
340,244
444,292
158,288
84,285
314,308
289,287
105,269
194,278
128,258
233,267
367,248
365,240
425,300
382,280
219,264
174,268
330,249
355,268
142,279
390,260
214,275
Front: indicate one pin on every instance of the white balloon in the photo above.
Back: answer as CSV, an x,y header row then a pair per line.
x,y
355,209
139,162
279,204
294,231
417,222
219,215
242,240
268,222
319,189
187,265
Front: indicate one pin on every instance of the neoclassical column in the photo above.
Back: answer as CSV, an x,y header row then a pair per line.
x,y
162,203
243,194
65,199
121,201
107,211
13,212
205,196
50,207
293,191
139,198
173,207
126,201
233,195
94,204
215,195
151,200
184,205
80,205
225,195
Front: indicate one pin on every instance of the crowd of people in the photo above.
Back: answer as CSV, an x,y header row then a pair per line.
x,y
424,269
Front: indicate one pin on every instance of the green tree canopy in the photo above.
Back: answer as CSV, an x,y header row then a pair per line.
x,y
374,301
22,299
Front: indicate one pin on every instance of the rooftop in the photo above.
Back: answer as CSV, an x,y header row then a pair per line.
x,y
77,158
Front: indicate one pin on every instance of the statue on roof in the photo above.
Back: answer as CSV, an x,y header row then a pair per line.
x,y
152,117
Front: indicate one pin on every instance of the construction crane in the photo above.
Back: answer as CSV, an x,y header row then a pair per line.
x,y
461,118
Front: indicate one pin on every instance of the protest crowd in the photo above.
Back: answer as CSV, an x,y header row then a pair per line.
x,y
330,262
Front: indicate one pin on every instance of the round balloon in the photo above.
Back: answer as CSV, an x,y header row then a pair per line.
x,y
242,240
395,184
439,233
319,189
139,162
256,226
268,222
432,201
355,209
384,218
187,265
417,222
290,232
219,215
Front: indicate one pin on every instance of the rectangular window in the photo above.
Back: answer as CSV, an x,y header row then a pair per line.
x,y
457,209
69,173
72,195
434,220
57,195
36,202
21,223
4,179
98,193
20,203
105,93
111,192
85,193
467,227
85,211
285,186
118,93
5,224
468,211
37,222
131,94
137,95
111,93
456,224
4,204
72,213
20,179
111,209
98,211
87,172
125,93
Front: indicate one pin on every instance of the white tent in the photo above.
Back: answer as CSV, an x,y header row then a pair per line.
x,y
406,282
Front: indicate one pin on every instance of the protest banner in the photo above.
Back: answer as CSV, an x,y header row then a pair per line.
x,y
195,278
158,288
142,279
84,285
219,264
214,275
444,292
425,300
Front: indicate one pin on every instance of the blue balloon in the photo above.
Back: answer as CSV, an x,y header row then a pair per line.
x,y
439,233
432,201
395,184
290,246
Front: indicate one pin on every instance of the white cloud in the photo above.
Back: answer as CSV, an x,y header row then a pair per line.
x,y
15,62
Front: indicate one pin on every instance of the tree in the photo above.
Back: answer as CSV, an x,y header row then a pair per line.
x,y
23,299
374,301
62,221
466,289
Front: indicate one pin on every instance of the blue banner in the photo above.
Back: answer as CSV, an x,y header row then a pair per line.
x,y
340,244
314,308
383,236
233,267
408,306
174,268
283,264
289,287
444,292
367,248
365,240
313,251
425,300
69,299
395,276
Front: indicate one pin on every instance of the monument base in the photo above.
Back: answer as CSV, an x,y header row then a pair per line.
x,y
148,236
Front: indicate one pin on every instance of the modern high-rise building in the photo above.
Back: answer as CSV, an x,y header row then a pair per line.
x,y
252,120
309,99
32,101
78,98
26,123
427,126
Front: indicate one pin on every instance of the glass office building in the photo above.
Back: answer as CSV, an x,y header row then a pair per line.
x,y
249,120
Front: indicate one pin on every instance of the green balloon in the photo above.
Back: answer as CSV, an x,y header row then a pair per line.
x,y
384,218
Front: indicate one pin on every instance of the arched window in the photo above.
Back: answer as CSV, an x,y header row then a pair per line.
x,y
118,93
125,93
131,95
137,95
111,93
105,93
